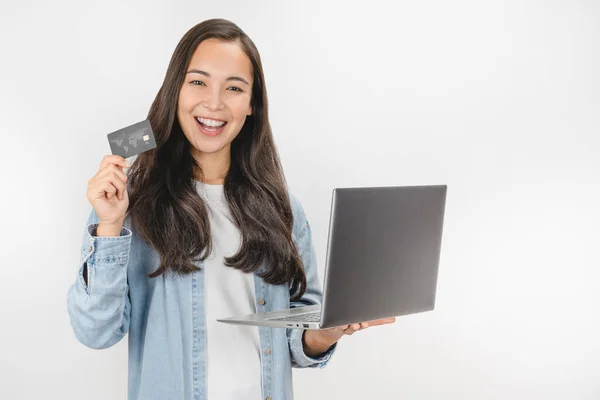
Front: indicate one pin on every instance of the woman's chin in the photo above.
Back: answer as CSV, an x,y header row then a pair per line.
x,y
208,148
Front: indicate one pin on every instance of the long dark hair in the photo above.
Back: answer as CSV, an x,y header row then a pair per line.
x,y
164,205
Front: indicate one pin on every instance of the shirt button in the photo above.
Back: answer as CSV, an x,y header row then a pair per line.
x,y
261,302
90,248
268,351
268,398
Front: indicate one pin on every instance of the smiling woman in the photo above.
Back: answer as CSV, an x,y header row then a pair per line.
x,y
202,227
214,102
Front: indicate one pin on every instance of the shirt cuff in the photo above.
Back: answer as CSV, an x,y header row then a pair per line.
x,y
105,249
300,357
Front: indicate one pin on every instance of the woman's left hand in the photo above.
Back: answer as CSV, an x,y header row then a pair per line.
x,y
340,331
318,341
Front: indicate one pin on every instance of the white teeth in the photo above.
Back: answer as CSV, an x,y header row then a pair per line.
x,y
210,122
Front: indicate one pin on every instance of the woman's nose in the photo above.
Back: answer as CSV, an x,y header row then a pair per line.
x,y
214,101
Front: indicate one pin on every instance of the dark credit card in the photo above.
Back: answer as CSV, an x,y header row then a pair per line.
x,y
132,140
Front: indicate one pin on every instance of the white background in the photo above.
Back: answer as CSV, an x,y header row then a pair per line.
x,y
498,100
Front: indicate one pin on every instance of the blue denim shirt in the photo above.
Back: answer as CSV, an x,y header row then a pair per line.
x,y
165,316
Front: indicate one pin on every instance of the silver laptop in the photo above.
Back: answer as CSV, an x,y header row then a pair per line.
x,y
383,254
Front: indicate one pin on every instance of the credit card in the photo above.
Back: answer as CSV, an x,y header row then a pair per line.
x,y
132,140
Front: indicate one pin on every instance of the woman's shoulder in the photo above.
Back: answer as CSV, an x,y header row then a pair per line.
x,y
300,220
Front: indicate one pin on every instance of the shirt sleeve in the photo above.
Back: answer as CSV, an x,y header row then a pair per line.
x,y
99,310
313,295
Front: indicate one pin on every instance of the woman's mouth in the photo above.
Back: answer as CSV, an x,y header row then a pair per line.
x,y
210,127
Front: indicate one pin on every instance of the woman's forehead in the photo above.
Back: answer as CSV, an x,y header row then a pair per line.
x,y
221,59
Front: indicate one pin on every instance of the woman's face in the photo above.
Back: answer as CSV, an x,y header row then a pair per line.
x,y
215,97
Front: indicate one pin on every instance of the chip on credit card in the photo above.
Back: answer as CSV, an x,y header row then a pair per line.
x,y
132,140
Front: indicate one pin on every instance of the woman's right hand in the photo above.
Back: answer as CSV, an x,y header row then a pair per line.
x,y
107,191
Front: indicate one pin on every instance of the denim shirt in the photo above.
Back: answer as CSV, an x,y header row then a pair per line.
x,y
165,316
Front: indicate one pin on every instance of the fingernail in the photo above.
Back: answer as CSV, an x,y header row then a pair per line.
x,y
127,164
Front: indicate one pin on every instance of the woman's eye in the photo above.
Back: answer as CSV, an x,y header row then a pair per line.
x,y
200,83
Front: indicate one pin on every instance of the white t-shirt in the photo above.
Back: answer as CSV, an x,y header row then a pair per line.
x,y
233,351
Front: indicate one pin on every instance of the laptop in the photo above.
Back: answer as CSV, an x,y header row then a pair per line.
x,y
383,252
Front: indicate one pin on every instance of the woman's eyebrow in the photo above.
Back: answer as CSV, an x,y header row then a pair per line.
x,y
231,78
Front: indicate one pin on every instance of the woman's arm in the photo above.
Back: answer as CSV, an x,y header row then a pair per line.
x,y
303,355
98,303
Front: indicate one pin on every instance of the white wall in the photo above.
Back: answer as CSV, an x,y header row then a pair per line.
x,y
499,100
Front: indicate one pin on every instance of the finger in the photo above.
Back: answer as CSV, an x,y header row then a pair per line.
x,y
341,328
109,185
109,172
112,194
119,171
111,169
349,331
102,189
115,160
116,181
382,321
364,325
121,188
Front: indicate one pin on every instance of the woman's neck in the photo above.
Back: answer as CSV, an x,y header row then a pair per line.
x,y
214,166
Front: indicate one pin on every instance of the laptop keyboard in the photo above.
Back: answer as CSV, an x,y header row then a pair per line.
x,y
309,317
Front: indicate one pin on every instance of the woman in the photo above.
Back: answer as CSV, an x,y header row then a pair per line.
x,y
201,227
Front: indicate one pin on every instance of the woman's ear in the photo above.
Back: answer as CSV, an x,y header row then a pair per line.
x,y
249,110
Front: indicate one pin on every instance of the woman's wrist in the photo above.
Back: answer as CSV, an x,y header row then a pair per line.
x,y
313,343
106,229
